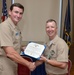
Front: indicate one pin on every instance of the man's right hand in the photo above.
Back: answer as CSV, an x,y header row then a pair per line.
x,y
32,66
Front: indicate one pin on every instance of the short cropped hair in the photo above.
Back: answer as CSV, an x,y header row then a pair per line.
x,y
17,5
51,20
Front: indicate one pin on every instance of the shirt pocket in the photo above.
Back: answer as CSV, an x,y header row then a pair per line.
x,y
17,35
52,54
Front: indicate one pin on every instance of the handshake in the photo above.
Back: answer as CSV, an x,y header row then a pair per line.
x,y
32,65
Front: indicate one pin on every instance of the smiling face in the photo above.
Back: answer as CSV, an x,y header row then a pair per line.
x,y
16,14
51,29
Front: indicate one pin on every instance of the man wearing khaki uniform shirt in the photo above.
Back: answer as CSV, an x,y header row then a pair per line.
x,y
10,42
56,52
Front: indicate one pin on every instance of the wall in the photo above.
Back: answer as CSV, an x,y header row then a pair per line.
x,y
36,13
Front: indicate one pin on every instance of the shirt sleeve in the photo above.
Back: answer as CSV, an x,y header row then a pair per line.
x,y
6,36
62,53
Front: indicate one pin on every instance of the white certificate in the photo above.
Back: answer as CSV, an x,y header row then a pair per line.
x,y
34,50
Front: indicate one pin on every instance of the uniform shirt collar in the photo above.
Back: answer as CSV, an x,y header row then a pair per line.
x,y
11,22
53,41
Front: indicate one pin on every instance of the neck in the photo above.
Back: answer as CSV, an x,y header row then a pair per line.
x,y
52,37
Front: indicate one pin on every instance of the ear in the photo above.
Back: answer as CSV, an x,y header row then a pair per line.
x,y
9,12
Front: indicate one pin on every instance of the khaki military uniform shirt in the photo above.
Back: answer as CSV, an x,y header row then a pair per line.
x,y
9,36
56,50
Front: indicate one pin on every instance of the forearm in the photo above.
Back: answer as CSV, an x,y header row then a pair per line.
x,y
56,63
18,59
13,55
